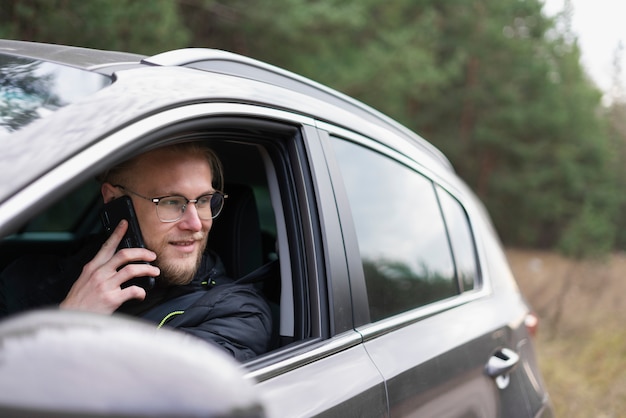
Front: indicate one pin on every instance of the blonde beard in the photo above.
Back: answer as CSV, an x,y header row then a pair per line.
x,y
174,274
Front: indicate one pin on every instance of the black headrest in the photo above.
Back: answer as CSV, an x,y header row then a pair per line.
x,y
236,233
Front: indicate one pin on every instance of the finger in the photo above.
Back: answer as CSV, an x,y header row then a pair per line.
x,y
139,270
130,271
130,255
107,251
110,245
133,292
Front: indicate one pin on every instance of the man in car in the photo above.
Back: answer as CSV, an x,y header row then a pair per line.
x,y
173,193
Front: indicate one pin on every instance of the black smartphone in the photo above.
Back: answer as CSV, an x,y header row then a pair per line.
x,y
112,214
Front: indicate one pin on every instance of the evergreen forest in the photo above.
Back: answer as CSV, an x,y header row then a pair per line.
x,y
495,84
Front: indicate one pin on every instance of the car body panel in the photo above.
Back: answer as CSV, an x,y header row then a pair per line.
x,y
422,365
334,379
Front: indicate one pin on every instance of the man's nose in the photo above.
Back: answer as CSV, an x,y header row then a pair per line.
x,y
190,220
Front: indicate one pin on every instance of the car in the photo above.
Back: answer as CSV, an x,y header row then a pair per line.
x,y
392,294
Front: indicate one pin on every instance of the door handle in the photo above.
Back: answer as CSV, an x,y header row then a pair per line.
x,y
500,365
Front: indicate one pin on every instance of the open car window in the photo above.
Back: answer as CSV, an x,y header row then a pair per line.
x,y
251,231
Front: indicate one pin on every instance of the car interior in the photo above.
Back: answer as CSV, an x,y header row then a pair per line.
x,y
249,235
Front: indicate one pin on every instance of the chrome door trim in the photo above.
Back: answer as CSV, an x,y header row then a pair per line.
x,y
384,326
316,351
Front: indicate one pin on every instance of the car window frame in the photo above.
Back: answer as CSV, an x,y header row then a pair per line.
x,y
411,159
452,238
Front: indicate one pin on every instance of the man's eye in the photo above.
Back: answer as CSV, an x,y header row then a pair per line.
x,y
171,202
204,200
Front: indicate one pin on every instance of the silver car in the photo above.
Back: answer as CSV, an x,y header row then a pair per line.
x,y
392,295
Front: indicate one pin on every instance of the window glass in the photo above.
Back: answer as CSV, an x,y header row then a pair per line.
x,y
401,234
32,89
461,240
68,213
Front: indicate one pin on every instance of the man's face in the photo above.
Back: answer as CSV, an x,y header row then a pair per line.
x,y
178,245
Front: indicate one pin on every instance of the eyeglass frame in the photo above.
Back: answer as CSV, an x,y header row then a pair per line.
x,y
156,201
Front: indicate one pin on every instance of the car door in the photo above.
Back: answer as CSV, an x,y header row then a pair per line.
x,y
328,372
434,322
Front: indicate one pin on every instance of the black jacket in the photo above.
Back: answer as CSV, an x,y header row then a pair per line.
x,y
213,307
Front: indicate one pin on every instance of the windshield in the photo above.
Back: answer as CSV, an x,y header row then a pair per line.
x,y
32,89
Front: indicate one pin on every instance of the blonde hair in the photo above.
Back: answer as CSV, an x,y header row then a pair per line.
x,y
122,172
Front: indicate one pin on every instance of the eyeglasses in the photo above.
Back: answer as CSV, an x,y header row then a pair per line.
x,y
172,208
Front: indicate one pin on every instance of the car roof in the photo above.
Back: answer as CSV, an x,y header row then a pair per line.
x,y
145,85
84,58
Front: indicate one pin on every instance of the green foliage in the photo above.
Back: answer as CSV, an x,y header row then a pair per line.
x,y
616,121
127,25
493,83
590,234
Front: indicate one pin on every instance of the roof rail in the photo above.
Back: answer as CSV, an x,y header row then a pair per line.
x,y
225,62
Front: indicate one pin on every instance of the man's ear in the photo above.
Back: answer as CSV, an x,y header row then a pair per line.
x,y
109,192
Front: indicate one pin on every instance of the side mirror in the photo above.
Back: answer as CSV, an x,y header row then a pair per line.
x,y
61,363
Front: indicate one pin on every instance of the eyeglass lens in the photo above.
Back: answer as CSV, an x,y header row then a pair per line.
x,y
172,208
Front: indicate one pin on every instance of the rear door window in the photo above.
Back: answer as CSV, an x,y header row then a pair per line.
x,y
461,240
404,247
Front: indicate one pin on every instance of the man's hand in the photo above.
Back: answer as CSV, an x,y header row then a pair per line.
x,y
98,289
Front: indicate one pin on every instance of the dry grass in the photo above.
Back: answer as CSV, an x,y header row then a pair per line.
x,y
582,338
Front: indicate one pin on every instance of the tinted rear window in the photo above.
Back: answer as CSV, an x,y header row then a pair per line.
x,y
31,89
405,252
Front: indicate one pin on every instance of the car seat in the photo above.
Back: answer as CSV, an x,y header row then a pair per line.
x,y
236,233
237,238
